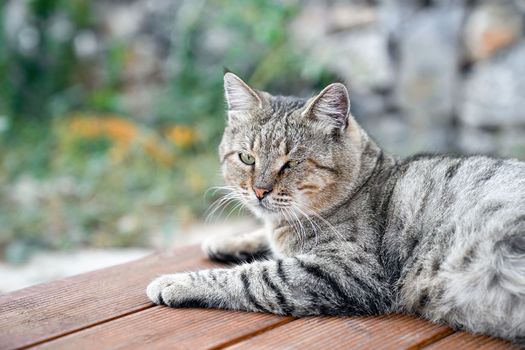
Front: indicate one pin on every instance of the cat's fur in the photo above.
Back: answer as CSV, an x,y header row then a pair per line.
x,y
351,230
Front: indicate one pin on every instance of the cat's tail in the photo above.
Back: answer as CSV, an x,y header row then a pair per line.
x,y
509,272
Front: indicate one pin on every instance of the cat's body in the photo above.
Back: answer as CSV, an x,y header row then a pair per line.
x,y
351,230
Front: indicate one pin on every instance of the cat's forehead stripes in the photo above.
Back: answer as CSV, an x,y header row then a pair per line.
x,y
275,137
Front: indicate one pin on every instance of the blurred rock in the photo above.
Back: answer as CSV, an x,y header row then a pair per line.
x,y
428,67
143,60
318,19
494,91
521,5
393,13
492,26
347,39
219,40
512,143
85,44
14,19
390,131
61,28
345,16
311,24
127,223
25,192
367,105
477,141
507,142
122,19
360,57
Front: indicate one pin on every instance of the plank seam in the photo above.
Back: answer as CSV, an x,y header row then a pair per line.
x,y
253,334
425,343
40,342
420,345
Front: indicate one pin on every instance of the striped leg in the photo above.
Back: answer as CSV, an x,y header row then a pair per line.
x,y
297,286
238,248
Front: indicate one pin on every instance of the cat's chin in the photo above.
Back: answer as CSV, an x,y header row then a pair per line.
x,y
266,213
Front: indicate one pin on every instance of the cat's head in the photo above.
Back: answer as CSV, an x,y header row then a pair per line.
x,y
287,157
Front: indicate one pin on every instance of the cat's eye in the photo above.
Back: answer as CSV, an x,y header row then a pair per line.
x,y
246,158
290,164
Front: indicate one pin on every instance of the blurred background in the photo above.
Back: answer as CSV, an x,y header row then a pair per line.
x,y
111,111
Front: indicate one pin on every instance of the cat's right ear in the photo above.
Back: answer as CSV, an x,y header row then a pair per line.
x,y
330,109
239,96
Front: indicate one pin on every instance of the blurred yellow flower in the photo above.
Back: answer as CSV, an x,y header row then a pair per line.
x,y
197,182
157,152
181,136
115,128
122,133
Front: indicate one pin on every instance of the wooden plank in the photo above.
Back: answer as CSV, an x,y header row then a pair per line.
x,y
166,328
383,332
108,309
47,311
462,340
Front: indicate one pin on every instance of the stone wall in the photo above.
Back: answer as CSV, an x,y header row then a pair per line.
x,y
427,76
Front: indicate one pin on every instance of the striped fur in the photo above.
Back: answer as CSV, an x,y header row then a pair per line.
x,y
351,230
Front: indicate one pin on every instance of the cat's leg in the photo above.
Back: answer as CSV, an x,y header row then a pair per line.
x,y
238,248
299,286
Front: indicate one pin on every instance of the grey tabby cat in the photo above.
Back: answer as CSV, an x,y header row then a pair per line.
x,y
351,230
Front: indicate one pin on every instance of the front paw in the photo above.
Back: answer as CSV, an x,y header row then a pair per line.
x,y
170,290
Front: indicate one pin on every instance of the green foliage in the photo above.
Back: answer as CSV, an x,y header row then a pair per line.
x,y
39,73
59,191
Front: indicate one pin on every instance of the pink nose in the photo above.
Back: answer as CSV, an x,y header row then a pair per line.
x,y
262,192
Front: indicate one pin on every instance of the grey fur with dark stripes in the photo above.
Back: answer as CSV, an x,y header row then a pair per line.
x,y
351,230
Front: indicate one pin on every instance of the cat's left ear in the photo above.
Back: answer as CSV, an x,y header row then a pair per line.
x,y
239,96
330,108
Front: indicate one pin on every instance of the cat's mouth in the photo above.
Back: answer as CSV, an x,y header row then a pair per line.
x,y
265,206
270,209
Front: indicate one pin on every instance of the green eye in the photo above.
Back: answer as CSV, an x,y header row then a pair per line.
x,y
247,158
290,164
293,163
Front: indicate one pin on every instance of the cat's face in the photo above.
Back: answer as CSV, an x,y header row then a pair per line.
x,y
284,157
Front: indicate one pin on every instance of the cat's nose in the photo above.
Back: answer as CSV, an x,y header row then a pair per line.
x,y
262,191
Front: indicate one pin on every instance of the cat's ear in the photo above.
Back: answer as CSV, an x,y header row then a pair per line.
x,y
239,96
330,108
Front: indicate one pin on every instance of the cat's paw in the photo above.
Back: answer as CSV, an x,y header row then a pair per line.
x,y
170,290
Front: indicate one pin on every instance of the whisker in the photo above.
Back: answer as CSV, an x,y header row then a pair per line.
x,y
215,189
240,204
303,233
221,202
327,223
314,225
290,222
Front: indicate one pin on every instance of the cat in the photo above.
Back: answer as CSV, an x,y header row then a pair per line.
x,y
352,230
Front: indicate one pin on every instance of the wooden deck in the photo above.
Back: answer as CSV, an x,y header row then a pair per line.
x,y
108,309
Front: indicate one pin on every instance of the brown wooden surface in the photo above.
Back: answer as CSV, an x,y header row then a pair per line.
x,y
161,327
385,332
108,309
49,310
462,340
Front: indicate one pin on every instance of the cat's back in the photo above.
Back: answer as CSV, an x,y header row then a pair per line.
x,y
454,200
428,185
456,233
